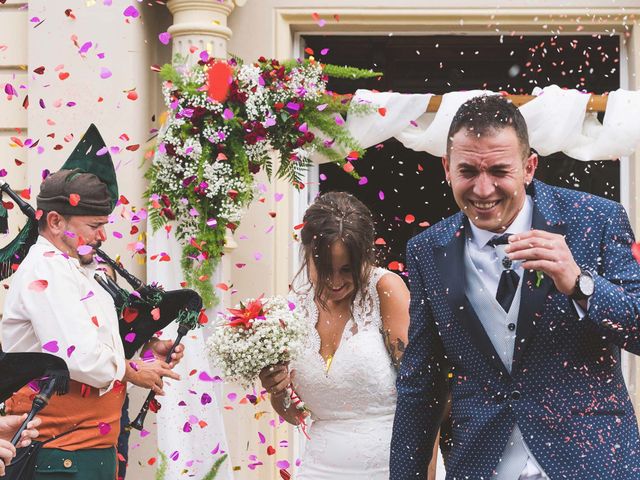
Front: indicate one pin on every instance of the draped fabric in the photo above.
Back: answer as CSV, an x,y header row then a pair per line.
x,y
557,120
190,426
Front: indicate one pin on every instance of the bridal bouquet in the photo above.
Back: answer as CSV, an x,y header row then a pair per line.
x,y
258,333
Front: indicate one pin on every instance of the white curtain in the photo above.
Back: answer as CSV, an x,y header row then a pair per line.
x,y
557,121
190,427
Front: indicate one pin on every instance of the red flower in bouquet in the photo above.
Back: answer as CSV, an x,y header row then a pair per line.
x,y
246,315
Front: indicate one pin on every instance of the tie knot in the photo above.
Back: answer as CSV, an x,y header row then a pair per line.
x,y
499,240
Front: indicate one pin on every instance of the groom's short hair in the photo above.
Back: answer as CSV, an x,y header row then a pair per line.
x,y
485,114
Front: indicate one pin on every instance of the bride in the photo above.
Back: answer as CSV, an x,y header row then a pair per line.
x,y
346,376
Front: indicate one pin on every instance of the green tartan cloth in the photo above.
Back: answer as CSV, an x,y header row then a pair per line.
x,y
94,464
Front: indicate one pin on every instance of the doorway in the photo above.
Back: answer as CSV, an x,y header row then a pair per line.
x,y
406,190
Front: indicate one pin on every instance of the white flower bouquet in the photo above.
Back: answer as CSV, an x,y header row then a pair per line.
x,y
258,333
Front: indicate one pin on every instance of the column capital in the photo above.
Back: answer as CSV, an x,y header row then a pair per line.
x,y
202,23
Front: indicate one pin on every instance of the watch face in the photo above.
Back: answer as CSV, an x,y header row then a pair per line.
x,y
587,285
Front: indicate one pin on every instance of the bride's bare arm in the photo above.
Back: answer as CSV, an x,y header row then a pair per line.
x,y
394,310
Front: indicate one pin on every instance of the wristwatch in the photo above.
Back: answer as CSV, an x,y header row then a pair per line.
x,y
585,286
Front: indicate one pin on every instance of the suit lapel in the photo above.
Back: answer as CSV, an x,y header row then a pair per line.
x,y
534,294
449,259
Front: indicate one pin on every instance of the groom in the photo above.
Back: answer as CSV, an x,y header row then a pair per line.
x,y
520,305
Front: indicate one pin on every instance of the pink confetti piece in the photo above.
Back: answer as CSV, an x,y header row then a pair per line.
x,y
85,48
38,285
85,249
324,51
105,72
205,377
104,428
257,256
212,222
216,449
227,114
363,181
187,427
144,433
174,456
70,350
261,438
51,346
165,38
205,399
130,337
232,397
117,234
323,177
102,151
131,11
322,106
134,366
381,195
338,119
282,464
89,295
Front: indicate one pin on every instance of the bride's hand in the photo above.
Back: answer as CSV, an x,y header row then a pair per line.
x,y
275,379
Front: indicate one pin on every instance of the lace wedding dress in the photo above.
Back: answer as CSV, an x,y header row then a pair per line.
x,y
353,401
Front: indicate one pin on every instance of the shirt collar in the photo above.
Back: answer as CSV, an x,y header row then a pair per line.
x,y
522,223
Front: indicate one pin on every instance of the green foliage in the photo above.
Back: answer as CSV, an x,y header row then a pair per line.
x,y
204,177
161,471
350,73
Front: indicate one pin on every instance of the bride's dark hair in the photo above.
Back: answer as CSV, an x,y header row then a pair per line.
x,y
337,216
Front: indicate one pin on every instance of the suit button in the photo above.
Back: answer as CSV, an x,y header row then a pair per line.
x,y
500,397
515,395
511,326
67,463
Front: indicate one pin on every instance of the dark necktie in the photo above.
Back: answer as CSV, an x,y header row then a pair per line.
x,y
509,279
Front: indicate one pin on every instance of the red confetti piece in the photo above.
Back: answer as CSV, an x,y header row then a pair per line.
x,y
26,194
380,241
382,111
63,75
219,80
132,95
635,251
271,450
38,285
74,199
409,218
348,167
299,226
129,314
94,320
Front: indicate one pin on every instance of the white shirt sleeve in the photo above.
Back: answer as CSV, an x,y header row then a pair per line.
x,y
72,320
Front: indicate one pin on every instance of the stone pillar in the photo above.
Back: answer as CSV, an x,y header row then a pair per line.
x,y
201,23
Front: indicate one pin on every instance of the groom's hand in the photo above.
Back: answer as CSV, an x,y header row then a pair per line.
x,y
548,253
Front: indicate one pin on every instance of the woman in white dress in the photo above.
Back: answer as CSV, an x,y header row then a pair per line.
x,y
359,314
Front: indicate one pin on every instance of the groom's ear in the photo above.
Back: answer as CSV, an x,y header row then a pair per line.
x,y
446,165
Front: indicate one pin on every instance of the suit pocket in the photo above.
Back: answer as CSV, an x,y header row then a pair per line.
x,y
591,413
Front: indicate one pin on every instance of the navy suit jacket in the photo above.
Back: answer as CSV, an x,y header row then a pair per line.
x,y
565,391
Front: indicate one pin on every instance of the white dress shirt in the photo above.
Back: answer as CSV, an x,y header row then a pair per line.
x,y
488,261
55,302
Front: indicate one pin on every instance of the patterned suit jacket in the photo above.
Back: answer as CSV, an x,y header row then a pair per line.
x,y
565,391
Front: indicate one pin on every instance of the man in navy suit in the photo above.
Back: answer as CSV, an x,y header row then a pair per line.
x,y
520,305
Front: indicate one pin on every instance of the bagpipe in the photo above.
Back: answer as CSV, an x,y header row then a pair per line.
x,y
18,369
141,313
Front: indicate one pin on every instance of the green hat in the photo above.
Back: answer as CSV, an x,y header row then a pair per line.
x,y
86,184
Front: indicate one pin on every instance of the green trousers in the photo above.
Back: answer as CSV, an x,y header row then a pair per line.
x,y
92,464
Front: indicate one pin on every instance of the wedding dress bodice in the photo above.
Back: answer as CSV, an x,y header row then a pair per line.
x,y
353,402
